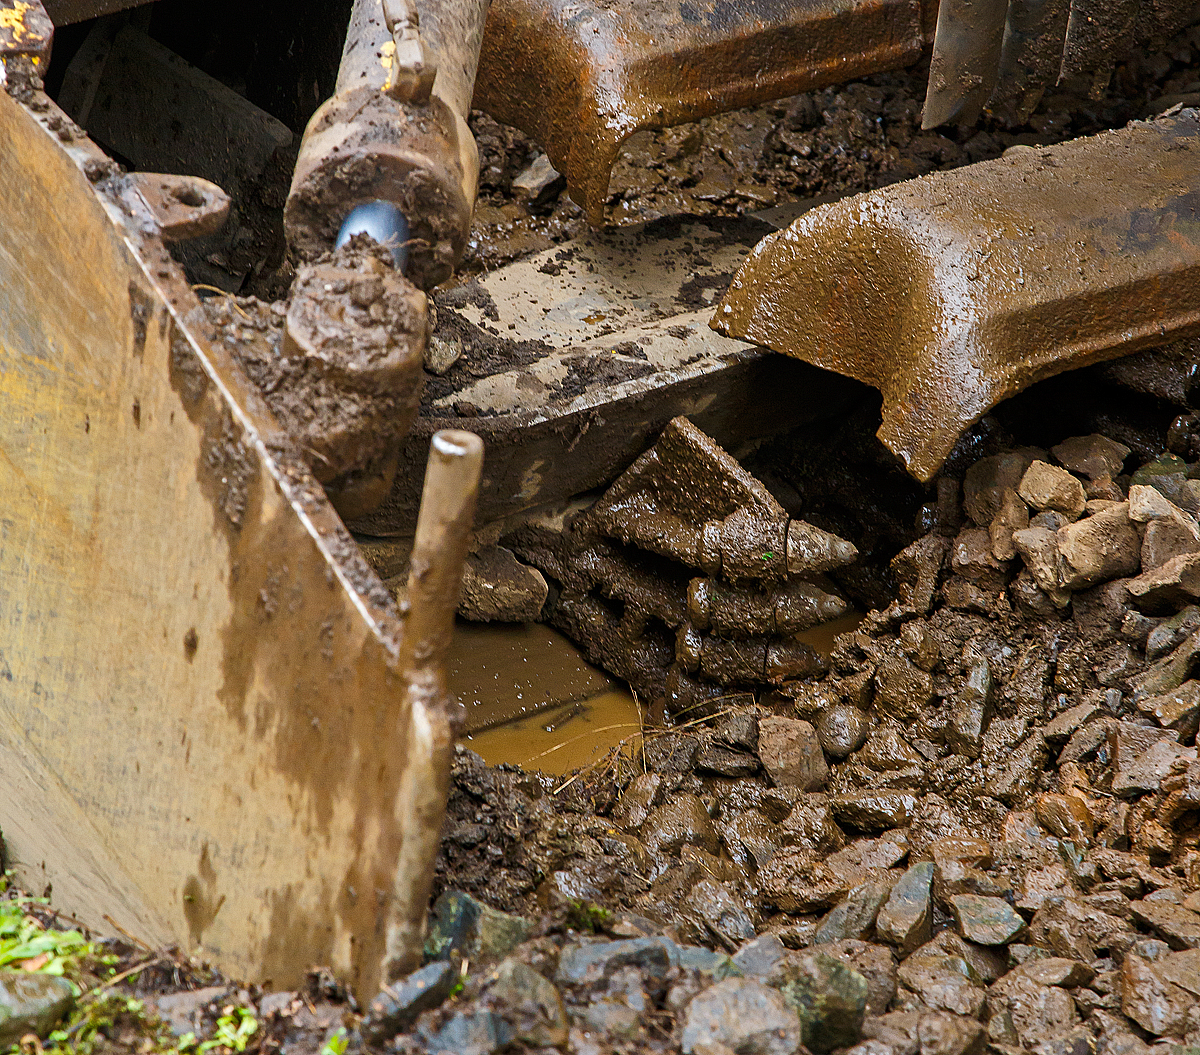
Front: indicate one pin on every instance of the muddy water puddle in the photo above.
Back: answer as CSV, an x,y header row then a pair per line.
x,y
533,699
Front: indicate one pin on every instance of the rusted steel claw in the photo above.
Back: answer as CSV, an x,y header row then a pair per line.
x,y
580,78
954,291
687,499
732,611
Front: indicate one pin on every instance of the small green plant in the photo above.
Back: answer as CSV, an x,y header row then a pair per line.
x,y
235,1027
337,1044
583,915
23,939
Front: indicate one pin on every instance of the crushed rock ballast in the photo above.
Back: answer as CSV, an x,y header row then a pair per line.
x,y
979,830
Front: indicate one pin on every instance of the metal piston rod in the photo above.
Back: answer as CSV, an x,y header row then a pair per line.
x,y
395,131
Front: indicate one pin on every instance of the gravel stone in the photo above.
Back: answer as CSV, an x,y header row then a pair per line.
x,y
741,1015
1045,486
829,997
791,753
985,920
906,918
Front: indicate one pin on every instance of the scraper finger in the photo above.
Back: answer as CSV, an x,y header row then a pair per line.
x,y
1098,31
1030,57
966,60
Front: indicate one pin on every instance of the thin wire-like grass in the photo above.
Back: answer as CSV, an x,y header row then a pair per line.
x,y
223,293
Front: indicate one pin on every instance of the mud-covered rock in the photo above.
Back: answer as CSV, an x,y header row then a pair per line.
x,y
841,730
1098,548
1045,486
790,751
682,821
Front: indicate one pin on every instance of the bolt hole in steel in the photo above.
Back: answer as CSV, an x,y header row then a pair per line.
x,y
381,221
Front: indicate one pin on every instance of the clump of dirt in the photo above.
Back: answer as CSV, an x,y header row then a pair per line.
x,y
341,363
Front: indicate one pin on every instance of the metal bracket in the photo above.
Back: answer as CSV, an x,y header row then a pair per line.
x,y
411,77
26,29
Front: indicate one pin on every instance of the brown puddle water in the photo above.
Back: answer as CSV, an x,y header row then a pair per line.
x,y
533,700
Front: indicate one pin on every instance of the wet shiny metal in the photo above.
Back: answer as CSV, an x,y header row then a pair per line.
x,y
381,221
951,292
580,78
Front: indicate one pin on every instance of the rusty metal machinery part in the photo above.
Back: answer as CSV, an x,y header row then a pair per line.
x,y
26,29
954,291
580,78
183,608
1022,47
184,207
365,144
966,60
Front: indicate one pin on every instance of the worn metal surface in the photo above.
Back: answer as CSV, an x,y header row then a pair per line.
x,y
580,78
183,206
26,29
216,729
623,319
953,291
161,114
64,12
965,61
365,143
1033,45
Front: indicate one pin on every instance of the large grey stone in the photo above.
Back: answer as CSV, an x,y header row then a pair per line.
x,y
397,1006
986,920
474,1032
829,997
532,1004
714,903
906,918
855,916
740,1015
588,963
32,1002
463,926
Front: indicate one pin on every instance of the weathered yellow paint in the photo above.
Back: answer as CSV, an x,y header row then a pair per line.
x,y
206,734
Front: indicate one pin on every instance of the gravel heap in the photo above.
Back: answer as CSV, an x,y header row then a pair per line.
x,y
980,829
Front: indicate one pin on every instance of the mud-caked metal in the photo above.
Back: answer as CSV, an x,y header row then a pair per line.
x,y
217,729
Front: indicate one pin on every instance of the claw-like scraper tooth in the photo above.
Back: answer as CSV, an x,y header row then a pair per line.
x,y
966,60
1097,33
1030,57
